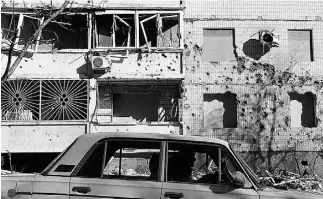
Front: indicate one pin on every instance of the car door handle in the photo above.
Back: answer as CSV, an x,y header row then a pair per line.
x,y
81,189
173,195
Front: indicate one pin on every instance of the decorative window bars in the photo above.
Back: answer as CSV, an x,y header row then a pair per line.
x,y
31,100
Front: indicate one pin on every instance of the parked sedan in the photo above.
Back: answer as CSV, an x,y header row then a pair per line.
x,y
154,166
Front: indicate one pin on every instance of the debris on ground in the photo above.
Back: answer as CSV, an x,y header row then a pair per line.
x,y
289,180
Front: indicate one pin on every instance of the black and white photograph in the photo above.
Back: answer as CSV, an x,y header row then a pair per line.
x,y
161,99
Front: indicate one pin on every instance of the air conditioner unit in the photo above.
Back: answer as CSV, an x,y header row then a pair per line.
x,y
268,38
100,62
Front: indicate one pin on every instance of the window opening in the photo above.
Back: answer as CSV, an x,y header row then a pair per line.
x,y
115,30
303,109
25,26
161,102
54,35
8,27
220,110
135,107
159,30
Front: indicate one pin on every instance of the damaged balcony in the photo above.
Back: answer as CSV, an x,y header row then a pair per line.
x,y
137,45
115,44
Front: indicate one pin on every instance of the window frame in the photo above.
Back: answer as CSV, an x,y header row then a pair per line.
x,y
110,91
315,120
220,147
106,141
234,46
311,42
225,125
114,13
21,17
138,27
39,109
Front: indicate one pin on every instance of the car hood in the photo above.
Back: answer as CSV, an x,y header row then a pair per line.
x,y
288,194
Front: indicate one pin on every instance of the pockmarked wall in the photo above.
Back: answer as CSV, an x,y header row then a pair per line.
x,y
266,100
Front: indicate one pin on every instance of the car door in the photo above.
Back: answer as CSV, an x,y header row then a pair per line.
x,y
119,169
193,172
50,187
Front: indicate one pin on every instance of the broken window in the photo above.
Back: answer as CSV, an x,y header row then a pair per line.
x,y
30,100
218,45
302,108
132,107
8,27
24,26
220,110
159,30
67,31
113,30
142,103
300,45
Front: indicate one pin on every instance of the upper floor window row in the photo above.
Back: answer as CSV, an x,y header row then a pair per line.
x,y
99,30
219,45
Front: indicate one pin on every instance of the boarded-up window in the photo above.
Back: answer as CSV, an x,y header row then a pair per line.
x,y
302,109
220,110
135,107
218,45
300,45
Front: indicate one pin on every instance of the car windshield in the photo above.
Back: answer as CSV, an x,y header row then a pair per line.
x,y
252,175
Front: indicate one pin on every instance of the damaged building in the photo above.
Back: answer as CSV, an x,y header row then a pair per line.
x,y
246,72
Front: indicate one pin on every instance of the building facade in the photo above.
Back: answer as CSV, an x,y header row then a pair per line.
x,y
247,72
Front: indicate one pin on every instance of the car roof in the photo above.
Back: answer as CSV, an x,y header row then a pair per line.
x,y
82,145
98,136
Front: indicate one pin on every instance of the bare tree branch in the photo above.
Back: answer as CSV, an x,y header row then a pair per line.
x,y
11,48
11,70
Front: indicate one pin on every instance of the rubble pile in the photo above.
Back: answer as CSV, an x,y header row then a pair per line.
x,y
289,180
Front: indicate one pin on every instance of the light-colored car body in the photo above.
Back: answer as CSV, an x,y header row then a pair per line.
x,y
62,178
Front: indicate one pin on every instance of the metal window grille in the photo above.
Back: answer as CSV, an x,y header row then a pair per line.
x,y
28,100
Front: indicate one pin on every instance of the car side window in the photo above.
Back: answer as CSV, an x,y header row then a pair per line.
x,y
132,159
200,164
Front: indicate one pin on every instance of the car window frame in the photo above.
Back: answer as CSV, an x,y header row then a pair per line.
x,y
56,160
106,140
251,176
220,146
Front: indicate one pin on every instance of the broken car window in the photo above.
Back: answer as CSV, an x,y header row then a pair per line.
x,y
200,164
124,159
